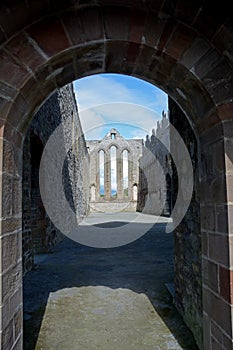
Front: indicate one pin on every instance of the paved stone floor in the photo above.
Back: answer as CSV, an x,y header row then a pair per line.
x,y
86,298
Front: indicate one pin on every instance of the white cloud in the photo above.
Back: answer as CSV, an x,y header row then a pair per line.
x,y
135,116
98,90
92,123
103,100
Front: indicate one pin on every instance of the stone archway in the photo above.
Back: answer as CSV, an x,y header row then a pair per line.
x,y
184,51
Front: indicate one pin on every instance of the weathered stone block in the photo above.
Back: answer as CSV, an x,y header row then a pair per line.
x,y
16,302
227,342
226,284
146,61
12,72
22,49
221,312
11,281
193,54
18,323
217,332
50,36
219,248
181,40
78,28
206,63
132,54
5,105
66,75
137,26
215,344
166,34
210,274
8,336
12,135
9,246
115,54
116,23
7,188
219,82
8,156
205,244
208,217
17,198
222,218
217,190
153,30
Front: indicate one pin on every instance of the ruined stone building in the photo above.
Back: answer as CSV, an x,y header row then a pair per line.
x,y
114,172
155,169
40,235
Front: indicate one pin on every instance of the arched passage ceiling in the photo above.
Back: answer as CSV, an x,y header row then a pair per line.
x,y
183,47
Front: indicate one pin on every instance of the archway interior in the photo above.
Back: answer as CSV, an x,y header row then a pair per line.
x,y
142,184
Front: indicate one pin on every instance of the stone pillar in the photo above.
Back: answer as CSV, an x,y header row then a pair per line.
x,y
130,176
11,309
107,177
96,160
217,241
120,189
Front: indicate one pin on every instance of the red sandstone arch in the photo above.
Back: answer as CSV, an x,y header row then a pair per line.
x,y
183,47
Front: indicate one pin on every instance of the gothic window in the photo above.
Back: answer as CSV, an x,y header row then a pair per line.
x,y
113,171
101,173
135,192
93,193
125,173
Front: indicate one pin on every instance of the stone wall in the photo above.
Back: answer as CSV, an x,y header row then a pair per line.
x,y
125,199
156,172
187,237
39,233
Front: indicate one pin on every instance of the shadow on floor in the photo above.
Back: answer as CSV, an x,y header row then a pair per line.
x,y
143,266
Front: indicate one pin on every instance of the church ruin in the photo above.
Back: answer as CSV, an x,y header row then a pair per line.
x,y
114,172
155,168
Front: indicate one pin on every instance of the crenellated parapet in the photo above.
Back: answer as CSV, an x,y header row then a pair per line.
x,y
156,171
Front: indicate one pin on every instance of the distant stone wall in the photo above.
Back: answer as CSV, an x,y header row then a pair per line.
x,y
187,237
154,195
106,207
39,233
125,198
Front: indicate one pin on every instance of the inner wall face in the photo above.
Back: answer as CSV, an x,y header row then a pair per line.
x,y
187,237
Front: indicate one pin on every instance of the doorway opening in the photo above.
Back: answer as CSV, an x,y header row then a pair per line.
x,y
114,172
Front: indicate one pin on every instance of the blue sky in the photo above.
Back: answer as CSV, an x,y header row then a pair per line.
x,y
130,105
